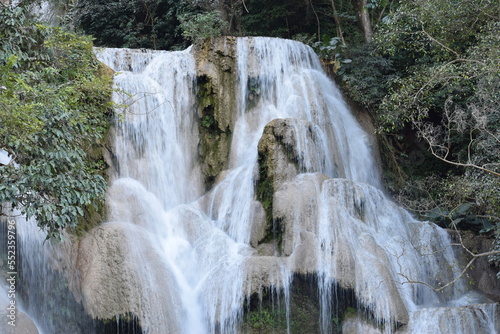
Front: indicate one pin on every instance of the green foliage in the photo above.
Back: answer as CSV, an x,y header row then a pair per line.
x,y
496,247
430,44
166,24
208,121
438,52
368,77
51,115
260,319
18,117
458,217
323,18
269,19
264,187
266,319
287,18
20,37
434,31
196,27
149,24
328,51
423,92
469,202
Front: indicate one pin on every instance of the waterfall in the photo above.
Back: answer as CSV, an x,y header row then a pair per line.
x,y
155,148
356,238
291,84
186,260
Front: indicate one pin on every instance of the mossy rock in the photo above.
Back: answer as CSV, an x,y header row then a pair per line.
x,y
217,106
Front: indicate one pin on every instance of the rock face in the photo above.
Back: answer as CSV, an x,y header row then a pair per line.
x,y
216,69
259,226
282,155
294,202
277,163
122,270
482,274
337,241
466,319
116,281
278,156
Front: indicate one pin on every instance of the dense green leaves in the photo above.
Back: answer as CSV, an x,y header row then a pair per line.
x,y
19,36
430,44
203,25
368,77
149,24
51,116
169,24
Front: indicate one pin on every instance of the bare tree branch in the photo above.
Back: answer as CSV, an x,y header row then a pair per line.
x,y
440,44
454,120
336,18
245,6
474,257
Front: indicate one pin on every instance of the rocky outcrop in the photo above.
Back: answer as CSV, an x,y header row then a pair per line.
x,y
282,155
278,159
216,75
117,280
259,226
263,272
299,205
294,201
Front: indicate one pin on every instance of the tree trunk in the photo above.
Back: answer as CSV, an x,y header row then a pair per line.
x,y
317,19
363,19
336,18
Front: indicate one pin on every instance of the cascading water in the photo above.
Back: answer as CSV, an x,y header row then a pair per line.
x,y
155,151
185,261
156,146
360,240
45,288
